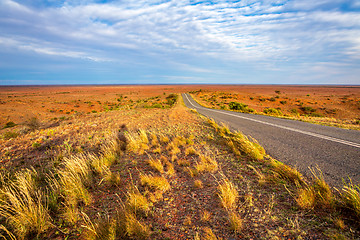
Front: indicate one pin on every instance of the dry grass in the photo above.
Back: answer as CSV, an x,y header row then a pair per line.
x,y
23,207
198,184
71,183
104,228
156,165
190,151
137,202
206,164
130,227
137,143
306,198
228,194
236,223
285,172
170,169
238,142
324,195
155,182
350,196
206,215
208,234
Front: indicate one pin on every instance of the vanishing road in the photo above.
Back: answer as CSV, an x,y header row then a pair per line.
x,y
336,151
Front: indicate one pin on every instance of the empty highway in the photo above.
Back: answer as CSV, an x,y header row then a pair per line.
x,y
336,151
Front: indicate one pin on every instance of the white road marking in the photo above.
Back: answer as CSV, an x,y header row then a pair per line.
x,y
283,127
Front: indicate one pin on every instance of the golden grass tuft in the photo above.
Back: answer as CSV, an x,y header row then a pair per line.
x,y
71,183
306,198
137,202
206,215
350,197
198,184
208,234
104,229
22,205
324,195
190,151
154,196
170,169
235,221
238,142
127,226
228,194
286,172
154,140
183,162
155,182
138,143
164,139
134,228
156,165
206,164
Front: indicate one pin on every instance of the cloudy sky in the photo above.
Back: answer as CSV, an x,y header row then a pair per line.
x,y
179,41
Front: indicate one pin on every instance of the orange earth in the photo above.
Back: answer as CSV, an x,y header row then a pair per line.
x,y
19,104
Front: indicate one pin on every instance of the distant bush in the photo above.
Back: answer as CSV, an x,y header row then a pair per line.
x,y
240,107
9,135
273,111
171,99
283,102
294,110
272,99
315,114
33,123
9,125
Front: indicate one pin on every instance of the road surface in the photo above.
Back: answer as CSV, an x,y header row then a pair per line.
x,y
302,145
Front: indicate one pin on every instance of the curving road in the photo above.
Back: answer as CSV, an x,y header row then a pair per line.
x,y
336,151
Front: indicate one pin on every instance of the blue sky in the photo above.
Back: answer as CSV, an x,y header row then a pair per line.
x,y
179,41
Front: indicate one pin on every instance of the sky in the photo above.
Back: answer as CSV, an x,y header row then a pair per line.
x,y
179,42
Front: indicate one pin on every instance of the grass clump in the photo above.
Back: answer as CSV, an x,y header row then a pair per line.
x,y
350,197
273,111
156,165
228,194
127,226
198,184
137,202
155,182
23,206
238,142
286,172
206,164
71,185
208,234
306,198
236,223
137,143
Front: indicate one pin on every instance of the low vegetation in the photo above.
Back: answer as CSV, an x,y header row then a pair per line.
x,y
161,173
322,109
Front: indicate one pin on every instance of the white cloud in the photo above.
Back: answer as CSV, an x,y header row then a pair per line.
x,y
250,30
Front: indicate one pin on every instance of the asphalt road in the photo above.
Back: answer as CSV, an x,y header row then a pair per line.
x,y
302,145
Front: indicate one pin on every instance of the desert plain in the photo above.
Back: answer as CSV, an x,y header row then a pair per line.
x,y
132,162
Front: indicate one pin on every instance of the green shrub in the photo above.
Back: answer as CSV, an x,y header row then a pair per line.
x,y
273,111
240,107
171,99
9,135
9,125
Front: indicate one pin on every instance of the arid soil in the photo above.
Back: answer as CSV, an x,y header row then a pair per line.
x,y
19,104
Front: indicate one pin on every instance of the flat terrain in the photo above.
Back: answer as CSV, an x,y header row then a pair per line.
x,y
334,105
299,144
133,162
